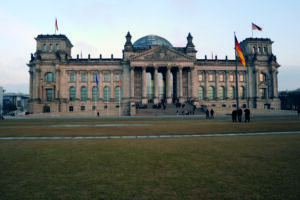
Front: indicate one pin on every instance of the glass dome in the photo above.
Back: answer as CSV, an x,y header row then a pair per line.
x,y
152,40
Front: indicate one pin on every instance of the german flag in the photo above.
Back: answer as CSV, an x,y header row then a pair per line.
x,y
255,27
239,51
56,26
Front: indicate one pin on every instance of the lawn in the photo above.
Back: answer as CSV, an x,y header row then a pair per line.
x,y
241,167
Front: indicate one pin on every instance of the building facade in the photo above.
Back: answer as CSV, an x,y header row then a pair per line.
x,y
150,71
1,99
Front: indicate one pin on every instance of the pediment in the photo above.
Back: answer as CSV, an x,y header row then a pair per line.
x,y
161,53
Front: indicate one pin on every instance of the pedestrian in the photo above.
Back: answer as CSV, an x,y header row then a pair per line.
x,y
1,117
212,114
234,112
98,114
240,114
177,113
207,113
247,114
298,111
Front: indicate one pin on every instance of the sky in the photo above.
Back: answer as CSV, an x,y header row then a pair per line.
x,y
96,27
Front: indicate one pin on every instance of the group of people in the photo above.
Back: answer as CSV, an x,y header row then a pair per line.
x,y
239,113
212,112
1,117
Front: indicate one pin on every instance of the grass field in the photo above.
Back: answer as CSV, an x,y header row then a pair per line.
x,y
247,167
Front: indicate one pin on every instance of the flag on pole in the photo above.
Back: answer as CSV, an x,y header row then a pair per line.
x,y
239,52
56,26
255,27
97,82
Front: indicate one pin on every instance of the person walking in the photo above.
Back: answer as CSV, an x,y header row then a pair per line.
x,y
240,114
207,113
247,114
212,114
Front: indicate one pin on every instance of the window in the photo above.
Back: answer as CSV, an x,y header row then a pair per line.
x,y
231,77
254,50
45,47
259,50
241,77
82,108
211,95
49,77
262,77
93,107
221,92
231,92
72,93
265,50
200,93
117,93
83,77
106,77
51,47
72,77
94,77
200,77
46,109
49,94
83,93
106,93
222,77
262,92
95,94
211,77
241,92
57,46
71,108
117,77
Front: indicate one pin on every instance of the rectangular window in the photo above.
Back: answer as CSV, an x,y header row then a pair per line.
x,y
241,77
72,77
83,77
57,46
94,77
94,107
262,92
231,77
117,77
51,47
200,77
71,108
82,108
222,77
211,77
262,77
106,77
49,94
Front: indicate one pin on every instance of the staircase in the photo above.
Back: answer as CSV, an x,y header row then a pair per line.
x,y
170,110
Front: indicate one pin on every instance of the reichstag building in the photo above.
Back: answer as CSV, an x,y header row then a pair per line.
x,y
151,71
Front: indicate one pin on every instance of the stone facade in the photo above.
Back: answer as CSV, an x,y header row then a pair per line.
x,y
151,70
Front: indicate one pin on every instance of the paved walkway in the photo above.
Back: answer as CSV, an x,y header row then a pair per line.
x,y
150,136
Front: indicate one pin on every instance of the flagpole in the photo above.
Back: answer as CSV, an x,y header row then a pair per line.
x,y
236,77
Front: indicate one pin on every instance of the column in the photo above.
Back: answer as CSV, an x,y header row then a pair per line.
x,y
257,81
144,87
216,86
156,85
89,85
194,83
77,85
112,89
100,87
38,84
275,85
30,83
169,84
132,82
206,85
58,85
226,85
180,84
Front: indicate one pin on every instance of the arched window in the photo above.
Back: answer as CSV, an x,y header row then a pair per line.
x,y
117,93
51,47
57,46
221,92
72,93
262,77
45,47
241,92
211,95
200,93
95,94
49,77
83,93
231,92
106,95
